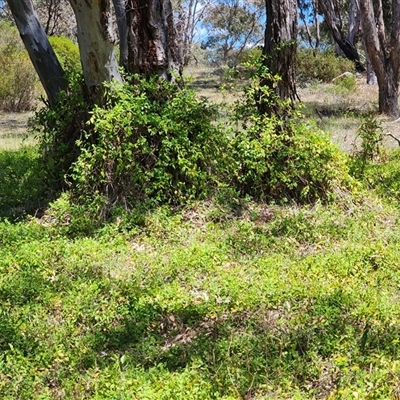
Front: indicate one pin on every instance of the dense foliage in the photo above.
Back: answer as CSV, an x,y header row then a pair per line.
x,y
58,128
18,80
149,140
320,65
152,141
284,157
67,52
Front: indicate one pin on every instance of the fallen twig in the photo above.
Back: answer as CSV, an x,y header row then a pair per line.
x,y
394,137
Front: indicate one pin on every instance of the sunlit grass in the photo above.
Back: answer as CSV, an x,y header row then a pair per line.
x,y
221,299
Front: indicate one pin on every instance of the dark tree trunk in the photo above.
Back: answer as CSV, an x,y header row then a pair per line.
x,y
388,93
120,14
152,41
40,51
348,48
280,50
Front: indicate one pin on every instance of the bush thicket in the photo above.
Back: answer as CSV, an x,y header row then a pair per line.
x,y
152,141
283,157
58,128
18,79
67,52
321,66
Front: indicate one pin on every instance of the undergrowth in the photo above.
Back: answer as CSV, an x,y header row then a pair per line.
x,y
222,297
214,300
209,301
151,141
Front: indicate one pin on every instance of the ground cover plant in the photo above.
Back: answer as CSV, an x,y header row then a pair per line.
x,y
220,298
209,301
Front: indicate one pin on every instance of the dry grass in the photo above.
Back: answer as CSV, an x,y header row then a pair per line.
x,y
336,112
13,130
340,113
215,84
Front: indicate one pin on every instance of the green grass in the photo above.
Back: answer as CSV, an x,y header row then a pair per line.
x,y
223,299
212,301
22,186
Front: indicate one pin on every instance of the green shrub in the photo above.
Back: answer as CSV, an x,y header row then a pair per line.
x,y
67,52
18,79
21,182
150,140
250,54
283,157
300,165
58,128
322,66
384,177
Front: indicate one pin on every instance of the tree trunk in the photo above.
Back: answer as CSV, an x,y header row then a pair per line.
x,y
152,42
349,50
280,50
354,22
371,77
316,22
384,54
96,44
388,94
40,51
120,15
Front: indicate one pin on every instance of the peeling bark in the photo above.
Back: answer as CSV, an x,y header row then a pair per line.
x,y
152,40
96,44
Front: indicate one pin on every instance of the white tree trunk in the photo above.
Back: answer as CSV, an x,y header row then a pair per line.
x,y
96,44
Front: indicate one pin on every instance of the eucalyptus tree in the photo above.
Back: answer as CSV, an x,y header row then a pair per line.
x,y
232,26
381,33
279,52
188,15
96,44
152,39
149,45
56,17
39,49
332,11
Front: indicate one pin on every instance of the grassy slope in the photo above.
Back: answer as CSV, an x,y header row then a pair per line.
x,y
214,301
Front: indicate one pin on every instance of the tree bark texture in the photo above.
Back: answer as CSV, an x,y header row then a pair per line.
x,y
96,44
120,15
383,52
354,21
152,39
280,48
348,48
40,51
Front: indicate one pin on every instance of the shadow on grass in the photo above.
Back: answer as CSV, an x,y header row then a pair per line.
x,y
260,345
22,186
